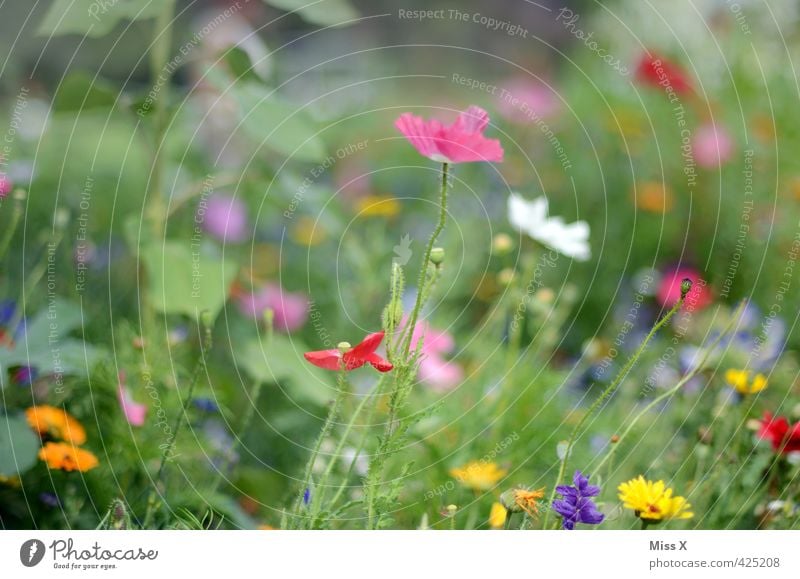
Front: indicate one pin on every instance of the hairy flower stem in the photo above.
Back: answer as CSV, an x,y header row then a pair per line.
x,y
423,270
323,481
167,454
672,391
333,413
604,396
18,197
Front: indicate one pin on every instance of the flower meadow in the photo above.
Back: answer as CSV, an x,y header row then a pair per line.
x,y
297,265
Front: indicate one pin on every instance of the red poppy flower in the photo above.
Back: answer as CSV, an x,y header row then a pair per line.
x,y
659,72
783,436
355,357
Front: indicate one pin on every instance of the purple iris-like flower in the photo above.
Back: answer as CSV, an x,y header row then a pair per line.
x,y
306,496
577,505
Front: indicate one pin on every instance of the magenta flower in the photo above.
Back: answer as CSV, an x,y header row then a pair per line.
x,y
712,145
461,142
134,412
224,217
434,369
290,309
669,290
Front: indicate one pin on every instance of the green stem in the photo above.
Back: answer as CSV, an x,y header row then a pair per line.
x,y
423,271
18,197
341,390
606,394
166,455
672,391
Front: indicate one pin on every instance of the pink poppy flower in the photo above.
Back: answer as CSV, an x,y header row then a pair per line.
x,y
524,100
290,309
434,369
669,290
134,412
460,142
224,217
355,357
712,145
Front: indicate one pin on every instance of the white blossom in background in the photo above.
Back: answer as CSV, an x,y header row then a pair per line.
x,y
530,218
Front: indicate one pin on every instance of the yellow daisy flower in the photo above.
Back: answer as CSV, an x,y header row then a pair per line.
x,y
378,206
740,381
478,475
653,501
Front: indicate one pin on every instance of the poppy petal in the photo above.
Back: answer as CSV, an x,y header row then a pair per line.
x,y
327,359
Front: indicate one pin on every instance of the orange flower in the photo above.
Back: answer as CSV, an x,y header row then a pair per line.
x,y
63,456
55,422
654,197
521,499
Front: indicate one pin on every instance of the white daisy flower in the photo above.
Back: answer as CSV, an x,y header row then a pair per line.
x,y
530,218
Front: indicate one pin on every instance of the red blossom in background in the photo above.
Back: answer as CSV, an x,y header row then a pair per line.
x,y
656,71
355,357
782,435
461,142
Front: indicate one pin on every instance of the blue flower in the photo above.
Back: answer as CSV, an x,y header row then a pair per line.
x,y
307,496
577,505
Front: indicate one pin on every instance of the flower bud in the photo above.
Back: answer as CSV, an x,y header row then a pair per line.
x,y
505,277
437,255
451,510
686,287
343,347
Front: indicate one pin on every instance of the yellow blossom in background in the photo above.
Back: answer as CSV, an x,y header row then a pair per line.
x,y
55,422
308,232
378,206
653,501
63,456
497,516
654,197
740,381
478,475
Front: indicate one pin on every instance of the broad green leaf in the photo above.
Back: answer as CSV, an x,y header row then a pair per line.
x,y
81,91
18,445
323,13
280,359
47,346
276,123
94,18
184,279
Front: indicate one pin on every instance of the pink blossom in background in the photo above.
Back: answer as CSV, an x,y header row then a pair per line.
x,y
5,186
224,217
134,412
290,309
669,290
460,142
434,369
524,100
712,145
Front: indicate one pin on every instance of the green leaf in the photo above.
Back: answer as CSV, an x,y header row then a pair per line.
x,y
94,18
18,445
47,347
280,360
81,91
184,279
272,121
322,13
